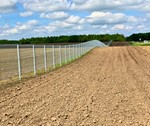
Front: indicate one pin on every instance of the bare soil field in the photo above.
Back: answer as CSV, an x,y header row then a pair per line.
x,y
119,43
107,87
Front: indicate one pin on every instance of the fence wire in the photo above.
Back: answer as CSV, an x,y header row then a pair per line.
x,y
19,61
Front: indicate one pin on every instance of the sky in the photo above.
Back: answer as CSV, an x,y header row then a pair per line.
x,y
39,18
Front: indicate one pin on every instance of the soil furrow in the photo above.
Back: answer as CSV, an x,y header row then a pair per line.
x,y
107,87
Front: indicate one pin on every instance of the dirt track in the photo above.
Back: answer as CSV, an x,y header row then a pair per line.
x,y
108,87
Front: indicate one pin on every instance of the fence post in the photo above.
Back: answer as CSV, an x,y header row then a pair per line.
x,y
84,48
80,49
76,51
45,60
65,54
87,47
19,65
69,54
53,56
60,58
73,52
34,60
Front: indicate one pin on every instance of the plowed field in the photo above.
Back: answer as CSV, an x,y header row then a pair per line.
x,y
107,87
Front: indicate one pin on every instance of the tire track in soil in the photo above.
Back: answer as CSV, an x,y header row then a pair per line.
x,y
141,72
107,87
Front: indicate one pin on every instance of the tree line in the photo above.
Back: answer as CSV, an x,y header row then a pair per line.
x,y
79,38
139,37
66,39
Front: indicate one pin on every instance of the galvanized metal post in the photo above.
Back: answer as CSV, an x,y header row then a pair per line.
x,y
65,54
54,66
19,64
60,57
76,50
45,59
73,52
69,53
84,48
80,49
34,60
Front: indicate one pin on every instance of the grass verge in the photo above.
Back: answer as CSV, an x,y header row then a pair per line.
x,y
139,44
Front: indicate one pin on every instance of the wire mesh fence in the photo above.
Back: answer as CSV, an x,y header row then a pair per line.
x,y
20,61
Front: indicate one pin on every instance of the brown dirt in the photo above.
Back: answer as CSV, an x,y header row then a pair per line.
x,y
119,43
108,87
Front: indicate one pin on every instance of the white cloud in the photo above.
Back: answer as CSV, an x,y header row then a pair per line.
x,y
26,14
73,19
27,25
7,6
101,18
146,7
78,2
67,23
99,5
104,27
71,23
46,5
53,27
45,29
61,24
11,31
141,26
121,27
147,15
88,5
132,19
19,28
55,15
105,16
79,27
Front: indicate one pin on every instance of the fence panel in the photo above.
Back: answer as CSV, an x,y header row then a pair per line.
x,y
19,61
49,56
26,60
8,62
57,58
39,52
63,54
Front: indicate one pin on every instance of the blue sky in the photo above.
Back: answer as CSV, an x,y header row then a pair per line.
x,y
32,18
